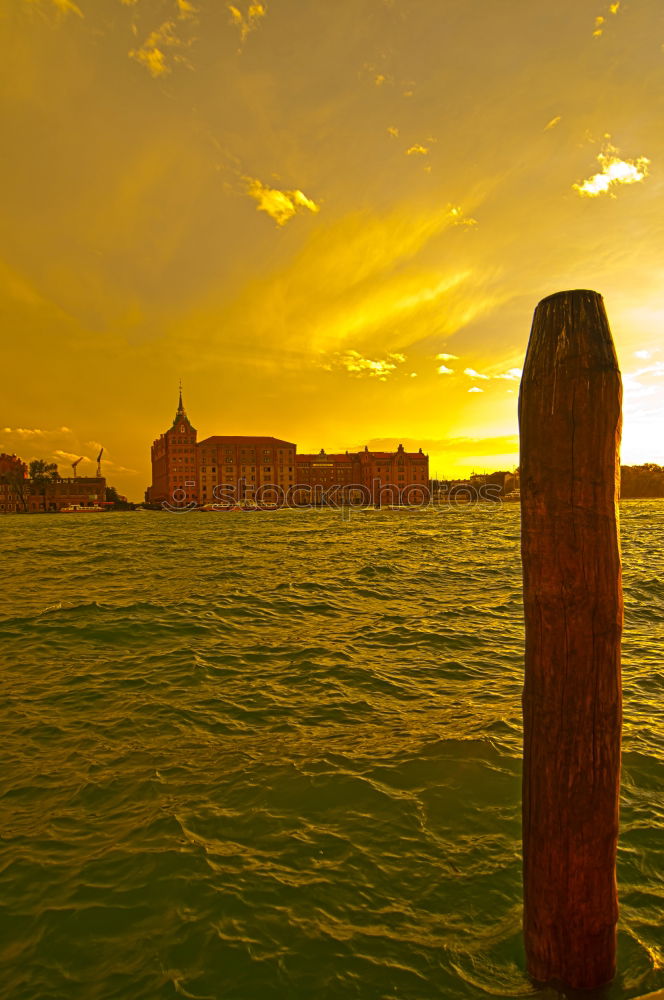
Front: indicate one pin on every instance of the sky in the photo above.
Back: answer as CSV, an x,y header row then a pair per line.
x,y
331,219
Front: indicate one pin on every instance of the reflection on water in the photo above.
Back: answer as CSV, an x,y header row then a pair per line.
x,y
278,756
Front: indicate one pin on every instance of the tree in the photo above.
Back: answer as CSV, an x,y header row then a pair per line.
x,y
15,479
41,474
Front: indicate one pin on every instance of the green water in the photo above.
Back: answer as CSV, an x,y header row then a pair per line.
x,y
277,755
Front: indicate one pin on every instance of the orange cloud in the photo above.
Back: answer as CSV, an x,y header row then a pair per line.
x,y
279,205
615,171
246,23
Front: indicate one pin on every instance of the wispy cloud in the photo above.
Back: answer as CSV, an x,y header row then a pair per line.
x,y
417,150
249,21
59,445
615,171
475,389
164,44
511,375
71,456
354,363
186,9
459,218
601,20
552,123
393,131
444,370
447,357
279,205
36,433
63,7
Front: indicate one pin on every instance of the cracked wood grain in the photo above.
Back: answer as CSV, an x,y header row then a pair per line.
x,y
570,423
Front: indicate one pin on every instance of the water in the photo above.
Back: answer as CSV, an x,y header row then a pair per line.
x,y
278,756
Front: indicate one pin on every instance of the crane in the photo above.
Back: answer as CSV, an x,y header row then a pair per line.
x,y
99,463
74,464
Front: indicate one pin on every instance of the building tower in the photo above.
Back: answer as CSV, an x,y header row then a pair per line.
x,y
173,456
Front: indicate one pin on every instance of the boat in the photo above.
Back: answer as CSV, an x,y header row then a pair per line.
x,y
77,508
243,507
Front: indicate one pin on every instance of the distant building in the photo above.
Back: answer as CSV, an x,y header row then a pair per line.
x,y
54,494
395,476
223,468
388,477
331,475
245,468
173,453
13,484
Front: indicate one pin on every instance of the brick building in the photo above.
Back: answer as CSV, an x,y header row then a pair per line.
x,y
395,476
13,484
173,453
223,468
21,495
332,475
54,494
244,468
376,476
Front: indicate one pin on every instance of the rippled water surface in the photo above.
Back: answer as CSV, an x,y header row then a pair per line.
x,y
277,755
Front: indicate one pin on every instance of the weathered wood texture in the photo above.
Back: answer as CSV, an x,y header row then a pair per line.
x,y
570,423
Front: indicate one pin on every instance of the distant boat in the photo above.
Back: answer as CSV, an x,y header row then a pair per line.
x,y
243,507
77,508
513,496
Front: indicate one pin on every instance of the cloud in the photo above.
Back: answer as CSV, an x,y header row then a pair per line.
x,y
600,20
280,205
366,281
447,357
246,23
475,389
59,445
614,171
443,370
417,150
63,7
393,131
68,7
159,44
354,363
511,375
186,9
458,218
37,434
552,123
642,354
71,456
165,42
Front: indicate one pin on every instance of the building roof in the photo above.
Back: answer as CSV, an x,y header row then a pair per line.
x,y
244,439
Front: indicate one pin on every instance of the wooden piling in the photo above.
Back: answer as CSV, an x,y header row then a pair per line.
x,y
570,423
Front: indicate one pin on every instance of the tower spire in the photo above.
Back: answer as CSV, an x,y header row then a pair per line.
x,y
180,410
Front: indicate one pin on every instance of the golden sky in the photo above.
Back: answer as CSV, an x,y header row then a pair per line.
x,y
332,219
